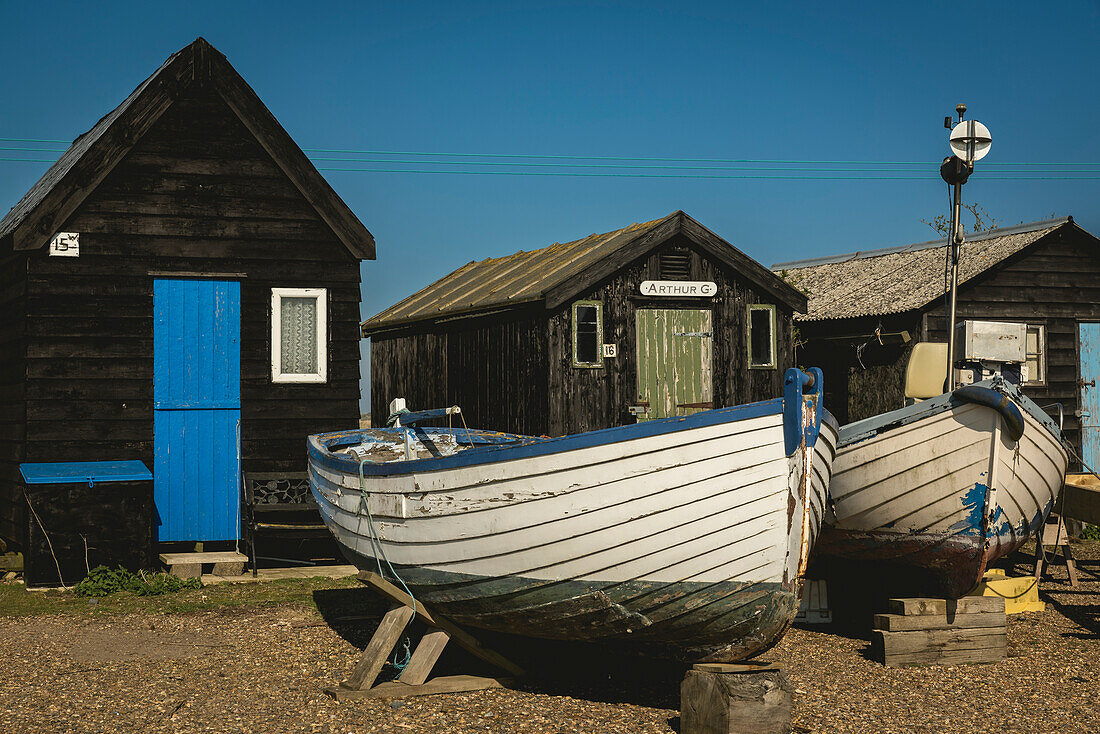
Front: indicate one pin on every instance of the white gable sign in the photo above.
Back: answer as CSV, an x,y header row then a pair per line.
x,y
679,288
65,244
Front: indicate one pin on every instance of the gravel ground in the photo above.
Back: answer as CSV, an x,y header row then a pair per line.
x,y
262,669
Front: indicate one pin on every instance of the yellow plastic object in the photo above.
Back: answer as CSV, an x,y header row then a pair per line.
x,y
926,371
1021,593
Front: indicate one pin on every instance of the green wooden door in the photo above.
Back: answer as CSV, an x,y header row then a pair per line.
x,y
674,361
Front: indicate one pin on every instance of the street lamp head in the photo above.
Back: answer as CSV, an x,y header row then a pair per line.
x,y
970,140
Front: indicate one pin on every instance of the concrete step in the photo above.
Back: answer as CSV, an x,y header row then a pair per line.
x,y
190,565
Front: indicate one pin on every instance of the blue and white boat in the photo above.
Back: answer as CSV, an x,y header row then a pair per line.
x,y
945,487
683,538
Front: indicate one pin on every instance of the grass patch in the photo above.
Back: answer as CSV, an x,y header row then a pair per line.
x,y
17,601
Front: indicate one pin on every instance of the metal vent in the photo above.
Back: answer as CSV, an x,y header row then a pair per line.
x,y
675,265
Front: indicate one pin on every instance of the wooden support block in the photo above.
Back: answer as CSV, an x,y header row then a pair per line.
x,y
380,646
940,647
758,701
460,636
234,568
444,684
424,657
902,623
11,562
948,607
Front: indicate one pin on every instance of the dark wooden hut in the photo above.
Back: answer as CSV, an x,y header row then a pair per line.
x,y
138,281
655,319
867,309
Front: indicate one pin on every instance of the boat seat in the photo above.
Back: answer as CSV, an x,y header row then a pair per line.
x,y
926,372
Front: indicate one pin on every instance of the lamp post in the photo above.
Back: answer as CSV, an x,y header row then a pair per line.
x,y
969,141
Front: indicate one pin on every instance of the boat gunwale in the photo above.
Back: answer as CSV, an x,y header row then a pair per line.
x,y
877,425
532,446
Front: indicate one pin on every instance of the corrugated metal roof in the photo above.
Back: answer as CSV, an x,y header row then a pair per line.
x,y
507,281
897,279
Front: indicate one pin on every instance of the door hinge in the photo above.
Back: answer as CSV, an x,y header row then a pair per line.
x,y
1081,384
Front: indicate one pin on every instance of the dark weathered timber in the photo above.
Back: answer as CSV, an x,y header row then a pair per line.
x,y
903,623
921,606
940,646
511,369
729,703
13,416
184,189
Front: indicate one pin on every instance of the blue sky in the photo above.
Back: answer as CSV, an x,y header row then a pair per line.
x,y
812,81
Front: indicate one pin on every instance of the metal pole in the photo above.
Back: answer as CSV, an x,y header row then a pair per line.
x,y
956,240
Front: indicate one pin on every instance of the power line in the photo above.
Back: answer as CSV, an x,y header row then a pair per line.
x,y
533,156
915,175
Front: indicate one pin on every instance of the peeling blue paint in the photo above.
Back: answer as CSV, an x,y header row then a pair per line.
x,y
974,503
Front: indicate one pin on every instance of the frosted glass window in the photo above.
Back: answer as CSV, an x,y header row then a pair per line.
x,y
298,334
299,330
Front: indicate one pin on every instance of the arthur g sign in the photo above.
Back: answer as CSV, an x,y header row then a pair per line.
x,y
679,288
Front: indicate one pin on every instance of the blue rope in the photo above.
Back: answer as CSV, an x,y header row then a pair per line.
x,y
379,556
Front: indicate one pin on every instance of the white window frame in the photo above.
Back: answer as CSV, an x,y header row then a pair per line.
x,y
770,308
598,305
1041,355
277,296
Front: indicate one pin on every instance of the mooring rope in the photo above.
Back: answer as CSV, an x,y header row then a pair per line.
x,y
379,556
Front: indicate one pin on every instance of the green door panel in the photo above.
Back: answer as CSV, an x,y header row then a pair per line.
x,y
674,361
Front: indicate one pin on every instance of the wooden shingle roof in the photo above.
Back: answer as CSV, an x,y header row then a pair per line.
x,y
44,208
556,273
897,279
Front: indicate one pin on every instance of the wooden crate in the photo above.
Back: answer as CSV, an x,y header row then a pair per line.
x,y
941,631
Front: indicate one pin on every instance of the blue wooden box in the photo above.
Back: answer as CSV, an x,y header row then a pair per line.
x,y
80,515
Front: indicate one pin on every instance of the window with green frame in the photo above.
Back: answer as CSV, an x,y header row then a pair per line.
x,y
587,334
761,336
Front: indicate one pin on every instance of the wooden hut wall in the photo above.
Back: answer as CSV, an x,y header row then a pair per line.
x,y
13,268
197,194
1056,284
583,399
493,367
863,377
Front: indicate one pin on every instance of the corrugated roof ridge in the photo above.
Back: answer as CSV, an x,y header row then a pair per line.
x,y
929,244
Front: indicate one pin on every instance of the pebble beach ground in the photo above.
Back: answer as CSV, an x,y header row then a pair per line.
x,y
261,667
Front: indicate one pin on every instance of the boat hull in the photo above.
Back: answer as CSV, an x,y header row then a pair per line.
x,y
944,491
681,539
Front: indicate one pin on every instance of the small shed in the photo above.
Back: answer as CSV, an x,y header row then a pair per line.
x,y
867,309
655,319
181,288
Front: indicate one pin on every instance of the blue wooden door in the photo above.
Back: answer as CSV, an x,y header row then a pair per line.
x,y
197,408
1088,338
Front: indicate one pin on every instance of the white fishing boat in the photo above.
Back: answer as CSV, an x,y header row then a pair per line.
x,y
683,538
946,486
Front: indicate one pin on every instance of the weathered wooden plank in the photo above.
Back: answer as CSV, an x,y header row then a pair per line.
x,y
425,655
1082,498
378,649
941,607
901,623
939,647
444,684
